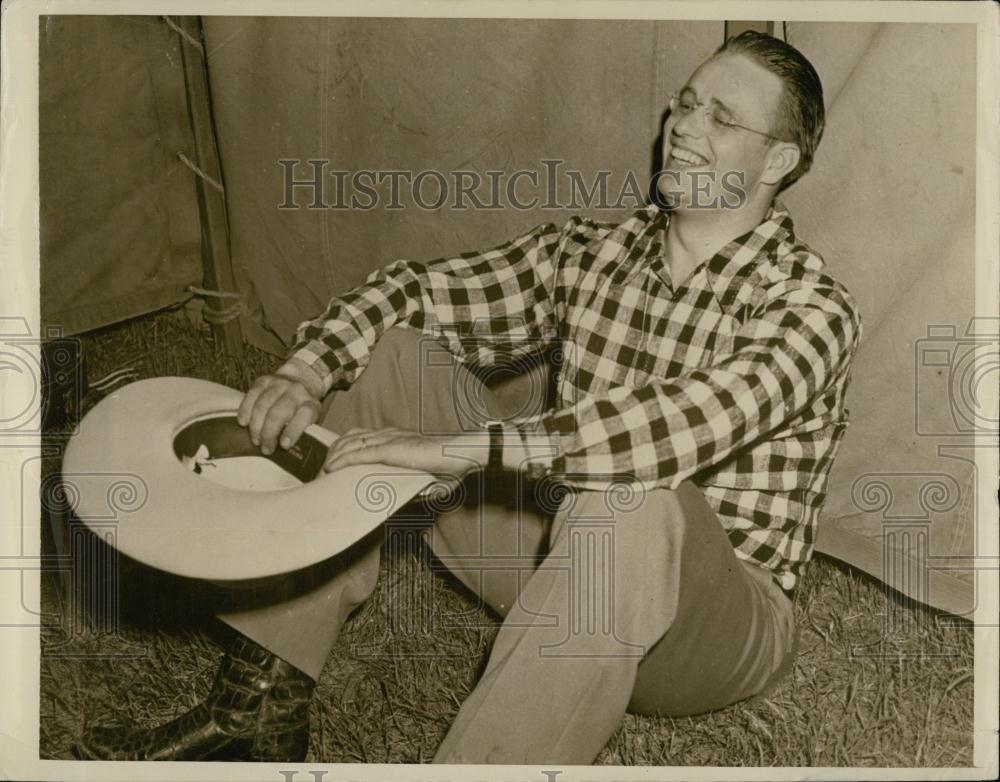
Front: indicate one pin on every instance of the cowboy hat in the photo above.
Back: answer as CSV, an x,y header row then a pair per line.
x,y
163,472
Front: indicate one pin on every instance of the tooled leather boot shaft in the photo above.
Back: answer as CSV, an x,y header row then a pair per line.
x,y
260,696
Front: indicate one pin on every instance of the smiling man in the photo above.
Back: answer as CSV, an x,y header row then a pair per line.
x,y
706,353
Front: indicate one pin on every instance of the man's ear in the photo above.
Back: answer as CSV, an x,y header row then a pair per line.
x,y
782,159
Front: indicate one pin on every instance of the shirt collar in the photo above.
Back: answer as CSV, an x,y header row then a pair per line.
x,y
730,265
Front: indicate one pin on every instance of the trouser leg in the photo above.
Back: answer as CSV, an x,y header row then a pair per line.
x,y
491,544
733,634
646,584
298,616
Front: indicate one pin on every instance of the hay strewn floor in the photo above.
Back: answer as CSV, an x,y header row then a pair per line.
x,y
877,682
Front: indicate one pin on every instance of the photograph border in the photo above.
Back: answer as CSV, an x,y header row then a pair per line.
x,y
20,567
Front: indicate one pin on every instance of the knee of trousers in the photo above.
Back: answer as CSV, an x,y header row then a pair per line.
x,y
412,381
638,519
382,393
395,354
634,536
645,540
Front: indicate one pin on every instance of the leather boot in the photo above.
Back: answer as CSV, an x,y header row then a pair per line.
x,y
258,710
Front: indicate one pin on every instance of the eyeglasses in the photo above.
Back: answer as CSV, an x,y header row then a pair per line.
x,y
718,120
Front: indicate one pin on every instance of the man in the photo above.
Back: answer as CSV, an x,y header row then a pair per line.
x,y
700,403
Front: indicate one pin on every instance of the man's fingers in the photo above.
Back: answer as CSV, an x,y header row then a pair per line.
x,y
352,438
347,457
346,445
363,447
356,439
249,400
275,406
282,411
260,411
378,448
304,417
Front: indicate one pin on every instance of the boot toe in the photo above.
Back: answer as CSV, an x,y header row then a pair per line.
x,y
107,742
192,736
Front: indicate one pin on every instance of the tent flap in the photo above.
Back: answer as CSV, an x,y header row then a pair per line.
x,y
890,203
120,234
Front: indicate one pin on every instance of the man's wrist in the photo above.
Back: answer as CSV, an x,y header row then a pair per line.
x,y
299,370
511,450
494,458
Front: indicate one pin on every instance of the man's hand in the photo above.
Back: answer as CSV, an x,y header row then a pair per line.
x,y
278,405
404,448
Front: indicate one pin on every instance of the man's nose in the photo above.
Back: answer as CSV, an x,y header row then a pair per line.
x,y
691,124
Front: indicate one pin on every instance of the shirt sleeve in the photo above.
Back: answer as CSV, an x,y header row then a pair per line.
x,y
487,306
794,351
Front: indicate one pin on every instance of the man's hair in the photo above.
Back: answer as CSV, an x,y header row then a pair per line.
x,y
801,116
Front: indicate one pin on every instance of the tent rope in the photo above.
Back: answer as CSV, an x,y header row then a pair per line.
x,y
216,315
194,167
184,34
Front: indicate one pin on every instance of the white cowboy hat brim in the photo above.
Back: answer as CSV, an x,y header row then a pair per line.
x,y
130,475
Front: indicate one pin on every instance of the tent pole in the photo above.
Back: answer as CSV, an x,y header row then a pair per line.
x,y
215,250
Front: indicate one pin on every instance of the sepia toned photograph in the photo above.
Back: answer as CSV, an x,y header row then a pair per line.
x,y
543,392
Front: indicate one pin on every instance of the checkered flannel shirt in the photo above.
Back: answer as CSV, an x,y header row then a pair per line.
x,y
734,378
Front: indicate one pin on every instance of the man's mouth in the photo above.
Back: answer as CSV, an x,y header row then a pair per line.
x,y
687,158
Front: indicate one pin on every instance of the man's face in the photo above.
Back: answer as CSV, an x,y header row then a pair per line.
x,y
706,167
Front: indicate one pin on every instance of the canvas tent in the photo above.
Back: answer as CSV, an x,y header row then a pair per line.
x,y
890,202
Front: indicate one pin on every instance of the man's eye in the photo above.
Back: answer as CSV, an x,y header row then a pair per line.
x,y
686,106
723,118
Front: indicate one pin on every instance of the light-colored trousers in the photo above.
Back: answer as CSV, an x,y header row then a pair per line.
x,y
619,600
